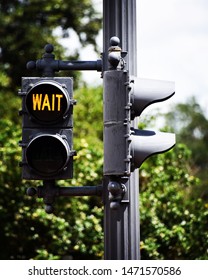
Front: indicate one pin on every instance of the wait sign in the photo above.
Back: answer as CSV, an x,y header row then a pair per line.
x,y
47,101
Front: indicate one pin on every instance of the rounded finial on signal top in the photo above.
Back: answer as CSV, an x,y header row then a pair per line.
x,y
114,41
49,48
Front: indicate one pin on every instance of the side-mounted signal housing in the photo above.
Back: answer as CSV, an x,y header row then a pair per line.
x,y
47,128
144,92
125,148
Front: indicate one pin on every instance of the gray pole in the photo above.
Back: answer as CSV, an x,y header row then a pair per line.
x,y
121,226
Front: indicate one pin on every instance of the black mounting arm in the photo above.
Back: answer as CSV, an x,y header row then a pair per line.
x,y
50,191
48,65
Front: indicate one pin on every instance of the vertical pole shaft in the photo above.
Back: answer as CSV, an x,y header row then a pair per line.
x,y
121,227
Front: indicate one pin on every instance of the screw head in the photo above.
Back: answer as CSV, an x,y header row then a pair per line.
x,y
114,205
49,208
114,188
31,191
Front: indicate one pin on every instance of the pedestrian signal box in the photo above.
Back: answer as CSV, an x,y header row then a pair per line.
x,y
47,128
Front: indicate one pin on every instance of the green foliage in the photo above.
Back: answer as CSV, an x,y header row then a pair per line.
x,y
191,126
27,25
89,113
170,220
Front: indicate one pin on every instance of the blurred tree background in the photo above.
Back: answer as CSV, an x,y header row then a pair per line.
x,y
173,186
26,232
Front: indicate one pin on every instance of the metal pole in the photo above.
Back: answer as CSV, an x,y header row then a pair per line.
x,y
121,226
